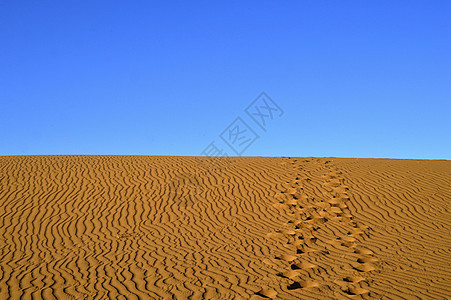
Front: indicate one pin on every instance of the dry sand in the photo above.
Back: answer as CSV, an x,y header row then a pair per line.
x,y
96,227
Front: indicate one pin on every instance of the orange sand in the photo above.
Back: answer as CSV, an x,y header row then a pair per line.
x,y
96,227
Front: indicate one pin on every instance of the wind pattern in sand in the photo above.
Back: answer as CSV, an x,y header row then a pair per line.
x,y
137,227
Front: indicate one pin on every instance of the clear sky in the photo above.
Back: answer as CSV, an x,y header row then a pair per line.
x,y
353,78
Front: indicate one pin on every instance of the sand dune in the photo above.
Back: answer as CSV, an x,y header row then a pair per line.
x,y
136,227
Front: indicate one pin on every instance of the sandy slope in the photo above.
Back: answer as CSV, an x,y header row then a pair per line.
x,y
74,227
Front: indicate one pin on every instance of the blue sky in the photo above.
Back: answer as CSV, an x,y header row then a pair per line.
x,y
353,78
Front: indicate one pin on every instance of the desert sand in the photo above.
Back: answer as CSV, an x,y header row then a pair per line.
x,y
154,227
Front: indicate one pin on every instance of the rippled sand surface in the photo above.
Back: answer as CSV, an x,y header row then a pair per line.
x,y
149,227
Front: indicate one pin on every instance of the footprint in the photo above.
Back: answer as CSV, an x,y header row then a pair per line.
x,y
347,216
268,262
335,210
322,204
364,267
310,239
290,191
304,249
302,196
311,251
332,183
325,214
287,232
303,265
355,290
316,220
354,279
329,176
267,293
274,235
299,209
303,284
363,251
362,227
291,202
338,218
286,257
296,181
341,189
280,205
297,243
337,201
304,225
342,205
349,244
347,239
290,274
363,260
355,232
340,195
296,222
281,196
